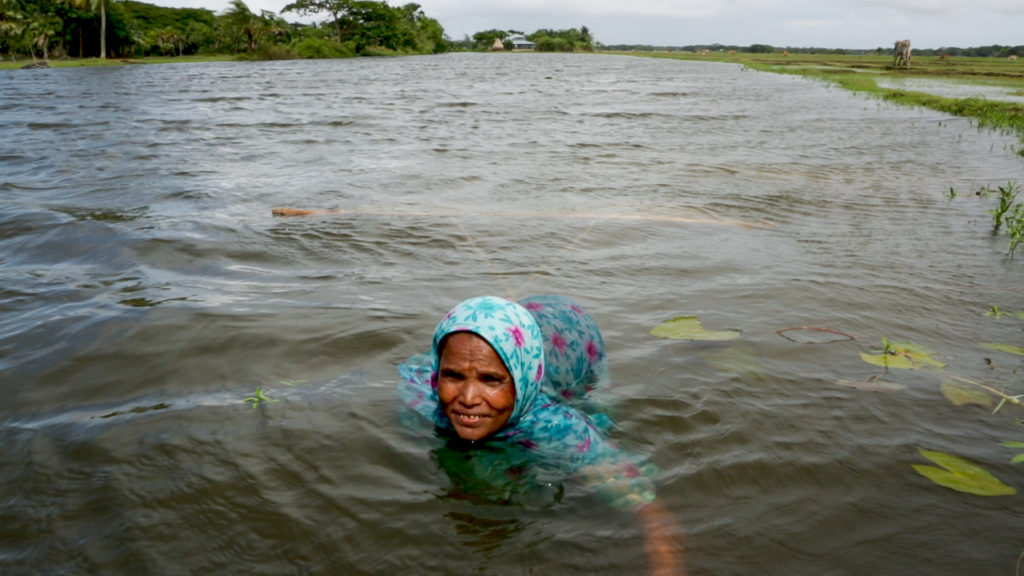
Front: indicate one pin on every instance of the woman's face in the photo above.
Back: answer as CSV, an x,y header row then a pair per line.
x,y
476,391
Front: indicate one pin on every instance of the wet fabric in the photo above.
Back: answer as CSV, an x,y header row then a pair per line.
x,y
554,433
574,354
537,421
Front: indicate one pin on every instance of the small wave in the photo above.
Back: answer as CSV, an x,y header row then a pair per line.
x,y
222,99
628,115
60,125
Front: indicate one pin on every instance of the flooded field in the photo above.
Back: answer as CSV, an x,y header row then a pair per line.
x,y
146,291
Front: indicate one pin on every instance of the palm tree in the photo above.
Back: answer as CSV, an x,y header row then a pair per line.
x,y
93,5
41,28
243,20
12,20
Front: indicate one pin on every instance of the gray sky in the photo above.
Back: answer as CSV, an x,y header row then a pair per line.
x,y
782,23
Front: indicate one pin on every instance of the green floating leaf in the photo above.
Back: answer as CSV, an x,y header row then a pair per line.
x,y
1012,444
1009,349
961,475
960,394
903,355
1017,459
689,328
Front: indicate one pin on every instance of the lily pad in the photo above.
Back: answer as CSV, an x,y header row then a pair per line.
x,y
961,475
903,355
690,328
959,394
1009,349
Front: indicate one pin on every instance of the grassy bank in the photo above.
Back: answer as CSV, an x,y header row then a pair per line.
x,y
79,62
860,73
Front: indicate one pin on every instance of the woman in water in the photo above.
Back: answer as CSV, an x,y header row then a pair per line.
x,y
518,374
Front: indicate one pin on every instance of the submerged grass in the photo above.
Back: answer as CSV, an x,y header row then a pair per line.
x,y
860,73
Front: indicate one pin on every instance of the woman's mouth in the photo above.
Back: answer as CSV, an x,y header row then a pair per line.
x,y
465,419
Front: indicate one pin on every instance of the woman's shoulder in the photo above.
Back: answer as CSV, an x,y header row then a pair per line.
x,y
558,429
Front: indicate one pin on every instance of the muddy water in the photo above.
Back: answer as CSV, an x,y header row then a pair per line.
x,y
146,290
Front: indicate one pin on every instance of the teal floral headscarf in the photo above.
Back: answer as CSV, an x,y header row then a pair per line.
x,y
574,356
538,421
545,420
512,333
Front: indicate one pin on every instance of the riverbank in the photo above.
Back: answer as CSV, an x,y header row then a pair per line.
x,y
863,73
82,62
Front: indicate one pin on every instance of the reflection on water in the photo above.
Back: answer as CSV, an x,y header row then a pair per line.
x,y
146,290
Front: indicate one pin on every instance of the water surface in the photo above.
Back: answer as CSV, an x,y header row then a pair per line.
x,y
146,290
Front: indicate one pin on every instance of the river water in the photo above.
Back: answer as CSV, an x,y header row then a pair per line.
x,y
146,290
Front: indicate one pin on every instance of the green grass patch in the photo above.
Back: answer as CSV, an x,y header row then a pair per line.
x,y
82,62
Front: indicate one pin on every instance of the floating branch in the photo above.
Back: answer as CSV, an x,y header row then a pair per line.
x,y
545,215
842,335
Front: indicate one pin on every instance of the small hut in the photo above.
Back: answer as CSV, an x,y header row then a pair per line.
x,y
497,46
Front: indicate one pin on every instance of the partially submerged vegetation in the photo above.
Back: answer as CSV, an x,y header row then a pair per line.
x,y
860,73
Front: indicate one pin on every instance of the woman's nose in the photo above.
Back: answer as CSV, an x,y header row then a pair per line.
x,y
470,395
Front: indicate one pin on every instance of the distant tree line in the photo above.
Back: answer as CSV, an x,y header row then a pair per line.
x,y
102,28
981,51
544,40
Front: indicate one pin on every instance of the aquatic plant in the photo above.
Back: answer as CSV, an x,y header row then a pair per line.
x,y
1007,201
994,311
902,355
1001,394
690,328
1008,348
1015,227
258,398
1019,458
961,475
1008,214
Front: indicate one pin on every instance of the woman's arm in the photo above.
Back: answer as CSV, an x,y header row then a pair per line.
x,y
663,539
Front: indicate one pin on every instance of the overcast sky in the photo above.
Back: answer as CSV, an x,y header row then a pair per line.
x,y
782,23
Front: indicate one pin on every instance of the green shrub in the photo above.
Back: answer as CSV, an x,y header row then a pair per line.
x,y
323,48
277,52
379,51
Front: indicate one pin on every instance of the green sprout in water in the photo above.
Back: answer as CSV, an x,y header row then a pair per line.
x,y
1009,213
258,398
994,311
902,355
1007,200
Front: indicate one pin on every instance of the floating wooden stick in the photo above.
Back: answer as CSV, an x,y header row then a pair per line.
x,y
570,215
842,335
